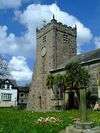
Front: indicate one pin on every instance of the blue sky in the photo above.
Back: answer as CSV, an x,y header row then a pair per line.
x,y
19,19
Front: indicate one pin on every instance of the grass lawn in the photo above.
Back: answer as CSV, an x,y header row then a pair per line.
x,y
14,121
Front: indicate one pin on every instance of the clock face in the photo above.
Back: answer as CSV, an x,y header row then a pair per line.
x,y
43,51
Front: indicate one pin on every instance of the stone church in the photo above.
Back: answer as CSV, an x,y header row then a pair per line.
x,y
56,45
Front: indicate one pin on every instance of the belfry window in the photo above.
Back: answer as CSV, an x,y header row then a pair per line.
x,y
65,38
44,39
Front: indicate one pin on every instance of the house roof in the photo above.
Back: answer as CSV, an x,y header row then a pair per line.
x,y
8,81
23,88
85,59
13,82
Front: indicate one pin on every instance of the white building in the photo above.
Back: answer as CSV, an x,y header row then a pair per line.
x,y
8,93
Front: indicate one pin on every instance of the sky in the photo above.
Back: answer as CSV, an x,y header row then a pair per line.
x,y
18,22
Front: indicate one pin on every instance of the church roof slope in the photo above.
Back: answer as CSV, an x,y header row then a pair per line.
x,y
85,58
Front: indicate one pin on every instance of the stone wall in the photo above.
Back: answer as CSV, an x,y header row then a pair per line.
x,y
94,70
60,43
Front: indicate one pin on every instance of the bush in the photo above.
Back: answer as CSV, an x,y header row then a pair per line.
x,y
21,107
91,99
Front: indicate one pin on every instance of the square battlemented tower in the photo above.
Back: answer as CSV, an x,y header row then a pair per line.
x,y
56,43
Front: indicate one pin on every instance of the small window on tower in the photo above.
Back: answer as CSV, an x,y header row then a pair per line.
x,y
65,38
44,39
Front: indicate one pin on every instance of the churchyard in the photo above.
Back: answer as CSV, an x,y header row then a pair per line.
x,y
64,93
21,121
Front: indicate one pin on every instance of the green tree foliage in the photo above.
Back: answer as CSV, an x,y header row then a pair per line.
x,y
50,81
76,76
58,80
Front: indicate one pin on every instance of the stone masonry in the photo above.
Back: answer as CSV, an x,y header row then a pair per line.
x,y
56,43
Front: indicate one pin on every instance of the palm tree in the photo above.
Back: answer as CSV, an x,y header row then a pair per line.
x,y
60,82
50,81
76,77
57,81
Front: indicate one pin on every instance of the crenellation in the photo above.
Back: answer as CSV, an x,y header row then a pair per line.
x,y
56,43
59,26
43,28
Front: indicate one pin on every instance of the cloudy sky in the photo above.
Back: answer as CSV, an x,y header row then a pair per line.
x,y
19,19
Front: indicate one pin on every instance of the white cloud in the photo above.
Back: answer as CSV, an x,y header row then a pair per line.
x,y
19,69
12,45
25,45
9,3
34,15
83,33
97,42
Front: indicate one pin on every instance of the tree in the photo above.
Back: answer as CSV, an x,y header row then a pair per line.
x,y
50,81
76,77
57,79
4,69
57,83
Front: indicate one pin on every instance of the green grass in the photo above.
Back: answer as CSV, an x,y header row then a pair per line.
x,y
14,121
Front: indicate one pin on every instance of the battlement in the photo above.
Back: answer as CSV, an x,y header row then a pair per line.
x,y
59,26
56,44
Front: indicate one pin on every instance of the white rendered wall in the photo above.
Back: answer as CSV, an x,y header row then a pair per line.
x,y
13,101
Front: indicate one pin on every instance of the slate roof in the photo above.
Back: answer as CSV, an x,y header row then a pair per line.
x,y
85,58
10,82
23,88
92,55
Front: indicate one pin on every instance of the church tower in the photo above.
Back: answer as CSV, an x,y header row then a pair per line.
x,y
56,43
